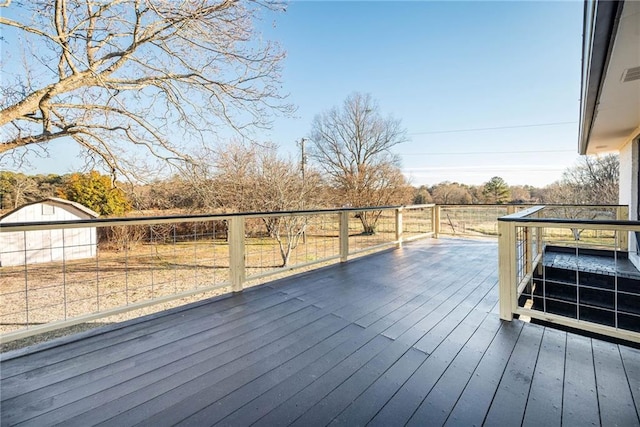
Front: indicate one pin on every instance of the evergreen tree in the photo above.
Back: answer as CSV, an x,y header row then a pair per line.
x,y
496,190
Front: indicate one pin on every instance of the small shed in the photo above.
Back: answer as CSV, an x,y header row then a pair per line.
x,y
39,246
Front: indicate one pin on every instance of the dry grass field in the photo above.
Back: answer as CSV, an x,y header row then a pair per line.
x,y
469,221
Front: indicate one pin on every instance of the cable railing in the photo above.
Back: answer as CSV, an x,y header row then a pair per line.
x,y
58,274
473,220
574,266
72,272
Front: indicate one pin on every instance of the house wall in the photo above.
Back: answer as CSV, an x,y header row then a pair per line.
x,y
39,246
629,188
628,173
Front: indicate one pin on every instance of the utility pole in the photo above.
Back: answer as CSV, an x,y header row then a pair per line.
x,y
303,158
303,162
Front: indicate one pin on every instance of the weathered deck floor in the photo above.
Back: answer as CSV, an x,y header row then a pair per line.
x,y
405,337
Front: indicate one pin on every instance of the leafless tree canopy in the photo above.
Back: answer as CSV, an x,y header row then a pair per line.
x,y
255,178
593,180
451,193
352,145
353,137
149,74
251,177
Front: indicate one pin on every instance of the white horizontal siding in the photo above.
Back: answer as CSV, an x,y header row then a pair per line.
x,y
40,246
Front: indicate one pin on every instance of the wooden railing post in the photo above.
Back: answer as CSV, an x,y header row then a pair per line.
x,y
398,227
344,236
506,268
539,241
528,248
622,214
436,221
237,272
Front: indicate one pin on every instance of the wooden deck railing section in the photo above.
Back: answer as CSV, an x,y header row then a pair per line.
x,y
570,265
147,261
143,262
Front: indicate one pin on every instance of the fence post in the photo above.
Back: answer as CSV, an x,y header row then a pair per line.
x,y
539,241
344,236
622,213
236,253
436,221
528,248
506,266
398,227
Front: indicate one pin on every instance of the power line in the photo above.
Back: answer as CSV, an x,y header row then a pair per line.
x,y
492,128
486,152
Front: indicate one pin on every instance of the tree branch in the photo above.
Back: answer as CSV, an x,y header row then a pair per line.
x,y
141,72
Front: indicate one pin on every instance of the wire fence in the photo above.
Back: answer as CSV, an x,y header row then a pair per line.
x,y
51,278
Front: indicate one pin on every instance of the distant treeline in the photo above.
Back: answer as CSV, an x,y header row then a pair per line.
x,y
594,180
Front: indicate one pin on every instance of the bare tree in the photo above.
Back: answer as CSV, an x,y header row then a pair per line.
x,y
448,193
251,177
422,195
281,188
521,194
171,193
17,189
352,146
592,181
232,172
129,78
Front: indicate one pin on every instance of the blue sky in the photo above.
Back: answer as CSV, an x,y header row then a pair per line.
x,y
446,69
443,67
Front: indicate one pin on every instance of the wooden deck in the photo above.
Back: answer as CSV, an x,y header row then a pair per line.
x,y
404,337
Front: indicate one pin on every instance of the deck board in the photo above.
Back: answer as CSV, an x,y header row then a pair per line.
x,y
194,347
289,411
631,361
196,395
187,332
266,403
474,402
248,386
402,337
402,406
226,307
439,402
368,403
547,384
580,401
509,402
615,400
136,388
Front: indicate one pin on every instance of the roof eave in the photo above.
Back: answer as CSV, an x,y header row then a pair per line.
x,y
601,41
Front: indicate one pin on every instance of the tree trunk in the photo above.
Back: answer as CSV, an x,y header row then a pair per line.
x,y
368,229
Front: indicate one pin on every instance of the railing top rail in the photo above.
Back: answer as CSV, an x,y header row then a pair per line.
x,y
505,205
169,219
522,215
570,222
424,205
524,218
